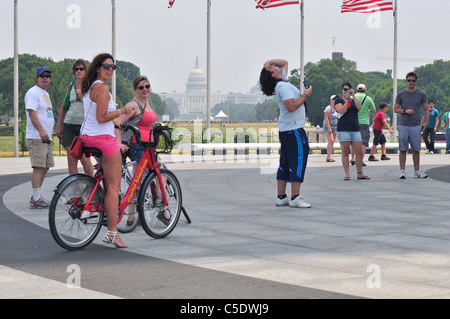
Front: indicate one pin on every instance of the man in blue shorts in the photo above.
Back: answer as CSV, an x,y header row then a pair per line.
x,y
408,103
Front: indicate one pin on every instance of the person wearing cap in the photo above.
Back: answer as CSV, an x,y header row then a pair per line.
x,y
378,137
38,136
367,108
331,117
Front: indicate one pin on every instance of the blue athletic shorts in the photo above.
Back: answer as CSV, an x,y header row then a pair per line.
x,y
293,155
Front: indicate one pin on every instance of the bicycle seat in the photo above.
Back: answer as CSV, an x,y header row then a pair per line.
x,y
92,151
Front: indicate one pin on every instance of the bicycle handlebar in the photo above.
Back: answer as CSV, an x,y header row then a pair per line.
x,y
158,130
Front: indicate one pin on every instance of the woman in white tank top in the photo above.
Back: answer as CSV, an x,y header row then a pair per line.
x,y
98,131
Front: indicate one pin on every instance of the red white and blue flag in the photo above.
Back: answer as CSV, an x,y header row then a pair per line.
x,y
171,3
366,6
265,4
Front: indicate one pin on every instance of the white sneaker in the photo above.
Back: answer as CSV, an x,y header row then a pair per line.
x,y
299,202
282,202
402,175
420,174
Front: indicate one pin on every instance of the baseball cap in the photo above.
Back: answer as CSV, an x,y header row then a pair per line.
x,y
42,69
332,97
361,87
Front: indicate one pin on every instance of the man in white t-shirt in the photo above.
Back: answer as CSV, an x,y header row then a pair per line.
x,y
40,123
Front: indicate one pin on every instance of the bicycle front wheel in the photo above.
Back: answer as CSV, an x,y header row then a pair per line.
x,y
68,227
158,220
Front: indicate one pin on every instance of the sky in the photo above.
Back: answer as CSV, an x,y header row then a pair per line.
x,y
164,43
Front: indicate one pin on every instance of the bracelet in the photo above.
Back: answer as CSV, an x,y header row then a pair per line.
x,y
305,95
120,113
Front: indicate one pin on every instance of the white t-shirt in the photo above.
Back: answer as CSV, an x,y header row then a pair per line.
x,y
91,126
38,99
289,120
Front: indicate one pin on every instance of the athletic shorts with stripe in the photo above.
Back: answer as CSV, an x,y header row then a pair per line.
x,y
293,155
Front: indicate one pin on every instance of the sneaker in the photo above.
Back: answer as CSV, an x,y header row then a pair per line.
x,y
420,174
299,202
373,159
385,158
40,203
282,202
402,175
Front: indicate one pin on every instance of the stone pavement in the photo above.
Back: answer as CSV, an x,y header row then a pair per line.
x,y
383,238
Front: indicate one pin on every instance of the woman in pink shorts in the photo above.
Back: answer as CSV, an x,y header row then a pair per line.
x,y
98,131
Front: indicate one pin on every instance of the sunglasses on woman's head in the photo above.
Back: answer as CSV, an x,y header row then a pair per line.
x,y
147,86
108,66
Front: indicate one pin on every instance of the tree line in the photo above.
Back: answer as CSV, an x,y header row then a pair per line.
x,y
328,75
62,76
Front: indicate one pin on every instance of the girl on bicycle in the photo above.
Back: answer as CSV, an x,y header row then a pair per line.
x,y
98,131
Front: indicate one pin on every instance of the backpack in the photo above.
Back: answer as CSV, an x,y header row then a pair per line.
x,y
127,135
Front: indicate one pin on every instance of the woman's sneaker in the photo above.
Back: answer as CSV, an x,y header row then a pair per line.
x,y
282,202
420,174
40,203
299,202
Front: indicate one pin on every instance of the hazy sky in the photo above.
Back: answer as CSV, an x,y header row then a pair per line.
x,y
164,43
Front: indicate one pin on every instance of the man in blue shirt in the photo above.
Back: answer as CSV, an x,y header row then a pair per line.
x,y
431,128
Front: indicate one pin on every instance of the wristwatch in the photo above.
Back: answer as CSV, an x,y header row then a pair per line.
x,y
404,111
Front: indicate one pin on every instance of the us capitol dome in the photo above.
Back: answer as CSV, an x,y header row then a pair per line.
x,y
192,103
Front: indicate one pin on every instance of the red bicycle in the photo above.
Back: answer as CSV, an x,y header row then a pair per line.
x,y
77,210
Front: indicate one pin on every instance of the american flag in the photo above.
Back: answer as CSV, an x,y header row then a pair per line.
x,y
366,6
264,4
170,4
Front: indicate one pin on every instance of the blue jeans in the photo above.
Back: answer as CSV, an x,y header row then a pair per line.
x,y
447,140
135,152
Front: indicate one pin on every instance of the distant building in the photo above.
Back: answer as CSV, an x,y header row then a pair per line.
x,y
193,101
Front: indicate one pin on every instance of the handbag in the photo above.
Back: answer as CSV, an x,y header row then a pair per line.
x,y
67,99
76,148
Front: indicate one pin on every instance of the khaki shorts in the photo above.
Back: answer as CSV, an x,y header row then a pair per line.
x,y
41,154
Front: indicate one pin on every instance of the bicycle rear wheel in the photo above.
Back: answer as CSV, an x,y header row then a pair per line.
x,y
152,213
67,226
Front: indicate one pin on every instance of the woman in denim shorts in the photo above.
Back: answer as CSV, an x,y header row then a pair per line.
x,y
348,130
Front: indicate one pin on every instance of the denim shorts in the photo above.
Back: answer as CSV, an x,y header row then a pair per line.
x,y
348,136
409,135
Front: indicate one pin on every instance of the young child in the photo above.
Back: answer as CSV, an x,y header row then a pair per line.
x,y
378,136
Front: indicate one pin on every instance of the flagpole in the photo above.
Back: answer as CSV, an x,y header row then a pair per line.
x,y
302,50
395,69
113,53
16,83
208,71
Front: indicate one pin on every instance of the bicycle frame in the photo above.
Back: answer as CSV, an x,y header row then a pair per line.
x,y
148,161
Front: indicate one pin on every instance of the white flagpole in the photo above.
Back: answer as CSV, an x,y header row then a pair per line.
x,y
113,53
16,83
395,70
208,71
302,47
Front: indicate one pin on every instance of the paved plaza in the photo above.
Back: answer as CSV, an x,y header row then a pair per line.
x,y
383,238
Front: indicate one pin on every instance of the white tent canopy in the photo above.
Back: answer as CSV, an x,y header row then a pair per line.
x,y
221,114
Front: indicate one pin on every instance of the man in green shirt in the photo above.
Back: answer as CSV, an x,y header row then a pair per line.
x,y
367,107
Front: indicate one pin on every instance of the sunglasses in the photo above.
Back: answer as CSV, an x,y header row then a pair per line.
x,y
346,89
108,66
45,76
144,86
79,69
411,80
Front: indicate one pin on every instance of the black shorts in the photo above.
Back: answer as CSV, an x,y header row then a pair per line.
x,y
378,137
293,155
69,131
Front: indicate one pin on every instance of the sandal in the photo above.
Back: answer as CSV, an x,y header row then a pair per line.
x,y
331,160
346,178
164,217
112,240
363,176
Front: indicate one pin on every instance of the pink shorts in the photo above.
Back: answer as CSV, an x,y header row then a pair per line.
x,y
106,143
